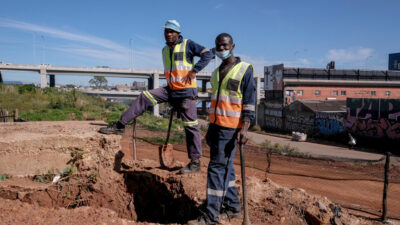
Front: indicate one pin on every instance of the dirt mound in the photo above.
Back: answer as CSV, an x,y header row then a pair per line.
x,y
96,184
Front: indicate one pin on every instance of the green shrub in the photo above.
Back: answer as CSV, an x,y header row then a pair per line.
x,y
27,88
256,128
55,104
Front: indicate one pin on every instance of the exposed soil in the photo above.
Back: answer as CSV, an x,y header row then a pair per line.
x,y
100,186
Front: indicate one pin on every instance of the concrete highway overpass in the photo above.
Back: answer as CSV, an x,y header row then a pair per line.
x,y
153,77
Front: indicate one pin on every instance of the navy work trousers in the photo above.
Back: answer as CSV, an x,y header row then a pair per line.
x,y
221,189
186,108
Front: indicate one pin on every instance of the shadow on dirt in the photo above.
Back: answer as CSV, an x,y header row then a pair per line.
x,y
159,200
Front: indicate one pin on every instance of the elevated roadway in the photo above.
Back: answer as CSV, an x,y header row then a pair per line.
x,y
153,77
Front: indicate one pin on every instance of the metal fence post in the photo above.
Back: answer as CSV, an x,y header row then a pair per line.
x,y
385,187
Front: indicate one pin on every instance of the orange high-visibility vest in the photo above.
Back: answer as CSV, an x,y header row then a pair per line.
x,y
176,66
226,99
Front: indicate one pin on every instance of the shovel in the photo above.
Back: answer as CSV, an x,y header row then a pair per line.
x,y
246,220
165,151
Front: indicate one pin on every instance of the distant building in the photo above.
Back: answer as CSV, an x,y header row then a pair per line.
x,y
139,85
374,118
315,117
123,87
13,82
394,61
285,85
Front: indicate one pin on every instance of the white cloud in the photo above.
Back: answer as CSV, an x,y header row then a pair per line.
x,y
218,6
53,32
270,12
350,55
93,47
91,52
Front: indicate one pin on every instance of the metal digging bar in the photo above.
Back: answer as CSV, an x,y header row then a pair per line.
x,y
246,220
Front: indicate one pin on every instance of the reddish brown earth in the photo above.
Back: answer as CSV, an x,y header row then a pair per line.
x,y
105,189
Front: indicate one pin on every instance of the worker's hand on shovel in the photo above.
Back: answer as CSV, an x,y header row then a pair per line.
x,y
242,135
188,79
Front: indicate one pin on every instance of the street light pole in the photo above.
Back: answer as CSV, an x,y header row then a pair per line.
x,y
130,54
43,52
34,48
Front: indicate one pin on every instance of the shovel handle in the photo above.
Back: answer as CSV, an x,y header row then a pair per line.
x,y
246,220
169,126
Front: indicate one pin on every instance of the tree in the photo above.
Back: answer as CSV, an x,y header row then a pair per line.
x,y
98,81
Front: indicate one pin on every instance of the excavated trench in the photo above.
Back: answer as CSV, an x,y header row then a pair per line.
x,y
139,195
159,201
92,180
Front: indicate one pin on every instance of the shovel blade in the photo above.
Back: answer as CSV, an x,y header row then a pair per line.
x,y
166,156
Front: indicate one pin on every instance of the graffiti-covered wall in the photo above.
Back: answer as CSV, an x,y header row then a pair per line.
x,y
273,116
377,118
299,121
329,123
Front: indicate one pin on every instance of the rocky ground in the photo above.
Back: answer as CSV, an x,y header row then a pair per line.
x,y
98,185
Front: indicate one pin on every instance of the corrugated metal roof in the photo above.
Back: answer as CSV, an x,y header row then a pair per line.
x,y
325,106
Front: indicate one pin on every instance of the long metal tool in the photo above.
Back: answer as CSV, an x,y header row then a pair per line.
x,y
171,116
165,151
246,220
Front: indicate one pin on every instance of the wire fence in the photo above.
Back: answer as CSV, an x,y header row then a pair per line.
x,y
355,185
6,116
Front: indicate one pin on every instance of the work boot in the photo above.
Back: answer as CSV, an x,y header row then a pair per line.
x,y
229,213
199,221
113,128
192,167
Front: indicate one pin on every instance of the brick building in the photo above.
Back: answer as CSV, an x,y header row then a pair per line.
x,y
284,85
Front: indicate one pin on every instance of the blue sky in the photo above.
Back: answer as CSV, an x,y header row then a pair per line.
x,y
357,34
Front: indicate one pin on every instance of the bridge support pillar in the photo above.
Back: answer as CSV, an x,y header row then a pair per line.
x,y
52,80
1,78
154,82
43,77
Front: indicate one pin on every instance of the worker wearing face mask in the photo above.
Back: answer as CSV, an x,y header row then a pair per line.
x,y
232,109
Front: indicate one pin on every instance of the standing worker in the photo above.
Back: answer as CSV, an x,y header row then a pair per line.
x,y
232,109
180,72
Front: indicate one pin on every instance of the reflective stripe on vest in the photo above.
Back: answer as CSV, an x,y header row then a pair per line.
x,y
226,103
176,67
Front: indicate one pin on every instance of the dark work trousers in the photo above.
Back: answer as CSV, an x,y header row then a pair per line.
x,y
186,108
221,189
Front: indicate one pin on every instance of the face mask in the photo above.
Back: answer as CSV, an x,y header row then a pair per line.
x,y
223,55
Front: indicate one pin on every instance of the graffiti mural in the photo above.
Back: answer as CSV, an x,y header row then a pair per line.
x,y
302,122
273,77
374,117
273,122
329,123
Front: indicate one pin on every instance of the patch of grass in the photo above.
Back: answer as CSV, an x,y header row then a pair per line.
x,y
161,140
51,104
283,149
255,128
4,177
44,178
154,123
93,176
